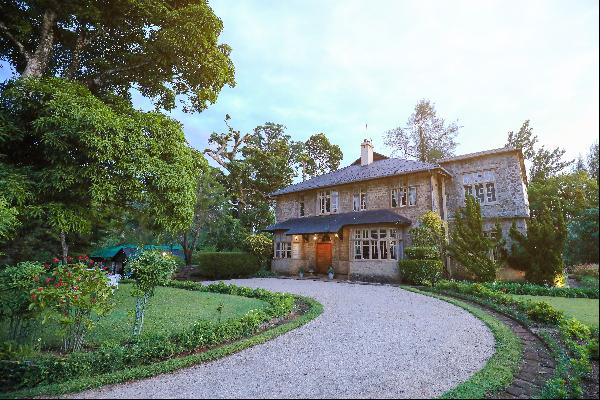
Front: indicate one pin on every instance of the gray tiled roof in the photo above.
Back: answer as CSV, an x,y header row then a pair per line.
x,y
334,222
357,173
500,150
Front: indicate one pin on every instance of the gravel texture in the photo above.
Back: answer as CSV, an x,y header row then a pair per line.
x,y
370,342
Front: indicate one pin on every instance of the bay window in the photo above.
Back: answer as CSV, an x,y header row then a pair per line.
x,y
375,244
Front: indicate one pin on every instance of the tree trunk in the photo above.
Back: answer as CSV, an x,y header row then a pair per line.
x,y
65,248
76,55
38,61
187,251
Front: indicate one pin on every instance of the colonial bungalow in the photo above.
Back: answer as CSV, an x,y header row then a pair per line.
x,y
115,257
357,219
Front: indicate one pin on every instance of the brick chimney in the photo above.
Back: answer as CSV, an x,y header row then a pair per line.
x,y
366,152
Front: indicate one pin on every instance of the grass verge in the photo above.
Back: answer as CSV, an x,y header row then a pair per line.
x,y
499,371
146,371
584,310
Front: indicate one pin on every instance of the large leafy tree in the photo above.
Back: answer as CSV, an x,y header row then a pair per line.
x,y
582,239
426,137
544,162
256,164
79,157
317,156
592,161
163,48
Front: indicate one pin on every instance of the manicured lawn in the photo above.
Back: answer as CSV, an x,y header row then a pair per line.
x,y
585,310
170,310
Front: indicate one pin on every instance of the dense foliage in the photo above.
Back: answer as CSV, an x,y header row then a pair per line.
x,y
541,290
582,244
149,270
470,247
539,252
261,245
227,265
422,266
146,349
77,158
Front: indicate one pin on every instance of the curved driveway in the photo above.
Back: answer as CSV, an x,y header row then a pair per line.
x,y
370,341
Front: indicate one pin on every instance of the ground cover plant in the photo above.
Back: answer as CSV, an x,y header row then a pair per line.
x,y
573,343
22,369
542,290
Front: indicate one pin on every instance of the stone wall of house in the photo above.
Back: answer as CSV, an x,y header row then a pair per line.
x,y
509,179
378,197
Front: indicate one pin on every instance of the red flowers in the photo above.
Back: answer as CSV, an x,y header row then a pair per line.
x,y
55,260
33,296
69,259
48,280
40,289
46,266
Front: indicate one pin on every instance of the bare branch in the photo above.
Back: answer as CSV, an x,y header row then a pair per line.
x,y
13,39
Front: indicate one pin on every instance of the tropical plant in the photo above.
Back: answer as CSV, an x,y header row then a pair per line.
x,y
149,270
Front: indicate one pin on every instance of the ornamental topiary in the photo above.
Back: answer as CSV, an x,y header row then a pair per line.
x,y
422,266
149,270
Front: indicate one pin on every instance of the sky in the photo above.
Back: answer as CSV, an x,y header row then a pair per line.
x,y
334,66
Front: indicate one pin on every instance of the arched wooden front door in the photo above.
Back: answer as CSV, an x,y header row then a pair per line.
x,y
324,257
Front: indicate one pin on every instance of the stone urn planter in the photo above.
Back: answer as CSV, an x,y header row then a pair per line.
x,y
330,273
301,273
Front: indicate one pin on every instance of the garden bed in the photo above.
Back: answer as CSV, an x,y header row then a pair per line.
x,y
162,352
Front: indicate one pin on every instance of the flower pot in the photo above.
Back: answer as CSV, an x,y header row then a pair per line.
x,y
301,275
330,275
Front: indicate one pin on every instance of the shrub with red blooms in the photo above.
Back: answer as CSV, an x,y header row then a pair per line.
x,y
73,292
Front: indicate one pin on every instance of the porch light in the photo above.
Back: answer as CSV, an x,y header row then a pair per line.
x,y
336,235
315,237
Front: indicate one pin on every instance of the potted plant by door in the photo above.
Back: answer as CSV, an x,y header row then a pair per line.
x,y
330,272
301,273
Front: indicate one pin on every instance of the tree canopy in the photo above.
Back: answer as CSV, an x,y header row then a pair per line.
x,y
317,156
77,157
166,49
426,137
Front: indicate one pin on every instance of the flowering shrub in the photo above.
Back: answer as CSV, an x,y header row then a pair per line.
x,y
73,292
149,269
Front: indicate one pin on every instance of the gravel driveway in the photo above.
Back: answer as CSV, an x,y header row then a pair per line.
x,y
370,341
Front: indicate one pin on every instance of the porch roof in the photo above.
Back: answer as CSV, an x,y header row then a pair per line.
x,y
334,222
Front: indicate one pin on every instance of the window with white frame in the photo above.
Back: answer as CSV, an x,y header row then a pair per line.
x,y
359,201
490,191
399,197
412,195
283,248
375,244
328,202
301,206
481,185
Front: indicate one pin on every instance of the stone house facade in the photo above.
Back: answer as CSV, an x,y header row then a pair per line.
x,y
357,219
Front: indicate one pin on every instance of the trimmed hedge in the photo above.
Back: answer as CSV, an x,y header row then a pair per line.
x,y
421,272
227,265
540,290
422,253
147,349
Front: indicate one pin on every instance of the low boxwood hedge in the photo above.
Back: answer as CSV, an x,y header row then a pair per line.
x,y
540,290
226,265
578,341
421,272
110,357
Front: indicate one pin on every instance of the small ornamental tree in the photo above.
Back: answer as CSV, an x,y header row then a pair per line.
x,y
73,293
16,282
540,251
430,232
150,269
261,245
470,247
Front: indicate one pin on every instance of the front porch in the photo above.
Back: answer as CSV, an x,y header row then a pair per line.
x,y
359,246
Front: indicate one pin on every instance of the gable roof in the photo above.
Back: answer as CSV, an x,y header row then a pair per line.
x,y
357,173
376,157
334,222
461,157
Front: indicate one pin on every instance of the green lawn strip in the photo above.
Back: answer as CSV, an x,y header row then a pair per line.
x,y
584,310
500,369
78,385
